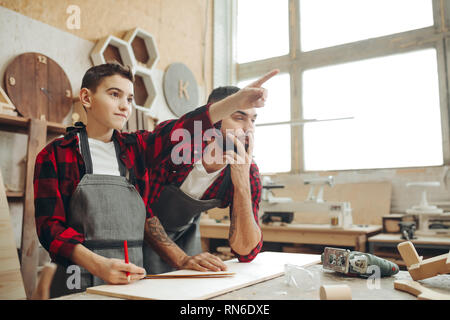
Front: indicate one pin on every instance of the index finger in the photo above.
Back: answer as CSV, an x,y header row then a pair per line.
x,y
132,268
258,83
217,262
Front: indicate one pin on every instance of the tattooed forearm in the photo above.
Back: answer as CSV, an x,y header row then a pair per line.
x,y
154,232
157,238
232,227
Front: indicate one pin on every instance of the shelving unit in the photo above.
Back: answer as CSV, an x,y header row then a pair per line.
x,y
37,131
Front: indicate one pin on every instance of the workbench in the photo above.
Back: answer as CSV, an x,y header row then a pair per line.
x,y
320,234
277,289
385,245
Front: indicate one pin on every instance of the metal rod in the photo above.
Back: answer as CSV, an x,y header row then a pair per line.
x,y
301,122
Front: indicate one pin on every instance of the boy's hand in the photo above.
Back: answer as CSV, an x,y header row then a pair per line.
x,y
252,96
114,271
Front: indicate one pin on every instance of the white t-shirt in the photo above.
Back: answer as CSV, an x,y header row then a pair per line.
x,y
198,181
103,155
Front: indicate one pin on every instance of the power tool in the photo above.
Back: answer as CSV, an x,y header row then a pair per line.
x,y
355,263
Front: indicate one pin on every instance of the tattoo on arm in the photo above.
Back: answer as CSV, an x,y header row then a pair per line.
x,y
154,231
232,226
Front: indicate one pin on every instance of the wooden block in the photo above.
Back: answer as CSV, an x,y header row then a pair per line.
x,y
10,277
408,253
265,266
42,291
223,249
430,267
420,269
335,292
419,291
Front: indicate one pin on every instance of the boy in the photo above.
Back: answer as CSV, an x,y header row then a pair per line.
x,y
91,186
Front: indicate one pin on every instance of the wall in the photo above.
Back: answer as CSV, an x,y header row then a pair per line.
x,y
181,30
177,25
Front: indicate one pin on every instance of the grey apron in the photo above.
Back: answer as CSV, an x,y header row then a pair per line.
x,y
107,210
180,216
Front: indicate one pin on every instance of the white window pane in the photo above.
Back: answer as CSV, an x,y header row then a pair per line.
x,y
326,23
262,29
272,148
278,105
395,102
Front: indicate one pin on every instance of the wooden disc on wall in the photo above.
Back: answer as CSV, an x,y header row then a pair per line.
x,y
38,87
180,89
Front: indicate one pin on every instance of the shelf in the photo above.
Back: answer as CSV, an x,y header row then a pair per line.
x,y
14,195
20,125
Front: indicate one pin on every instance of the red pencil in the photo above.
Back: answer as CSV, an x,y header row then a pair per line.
x,y
125,248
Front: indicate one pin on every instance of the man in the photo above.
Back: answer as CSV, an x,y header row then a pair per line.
x,y
222,177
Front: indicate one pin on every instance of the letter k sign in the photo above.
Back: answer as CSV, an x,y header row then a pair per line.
x,y
182,89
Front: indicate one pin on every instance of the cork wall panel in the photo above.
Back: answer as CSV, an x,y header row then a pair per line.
x,y
177,25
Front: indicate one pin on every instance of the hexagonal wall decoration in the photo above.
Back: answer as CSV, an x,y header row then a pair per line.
x,y
112,48
144,88
143,47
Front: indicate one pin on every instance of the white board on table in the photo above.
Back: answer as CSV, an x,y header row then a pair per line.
x,y
265,266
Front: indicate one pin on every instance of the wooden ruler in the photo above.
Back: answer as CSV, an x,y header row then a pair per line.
x,y
192,276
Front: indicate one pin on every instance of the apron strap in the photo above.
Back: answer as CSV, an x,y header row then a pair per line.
x,y
226,183
122,168
86,153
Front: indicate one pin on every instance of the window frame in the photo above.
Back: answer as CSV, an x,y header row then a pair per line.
x,y
296,62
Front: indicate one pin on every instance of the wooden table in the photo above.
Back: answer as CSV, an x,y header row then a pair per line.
x,y
320,234
278,289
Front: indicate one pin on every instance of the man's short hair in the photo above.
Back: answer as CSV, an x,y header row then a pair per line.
x,y
220,93
94,76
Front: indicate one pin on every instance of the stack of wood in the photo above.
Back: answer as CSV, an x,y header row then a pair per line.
x,y
224,253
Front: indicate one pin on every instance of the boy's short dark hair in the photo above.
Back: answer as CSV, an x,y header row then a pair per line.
x,y
220,93
94,76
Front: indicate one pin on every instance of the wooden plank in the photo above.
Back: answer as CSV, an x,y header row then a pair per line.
x,y
418,290
408,253
29,251
265,266
11,284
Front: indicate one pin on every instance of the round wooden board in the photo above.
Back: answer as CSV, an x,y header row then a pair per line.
x,y
176,78
38,86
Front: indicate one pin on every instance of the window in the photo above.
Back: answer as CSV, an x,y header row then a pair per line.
x,y
262,29
327,23
272,148
382,62
395,104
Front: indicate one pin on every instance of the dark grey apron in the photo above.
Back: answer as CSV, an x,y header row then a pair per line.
x,y
180,216
107,210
